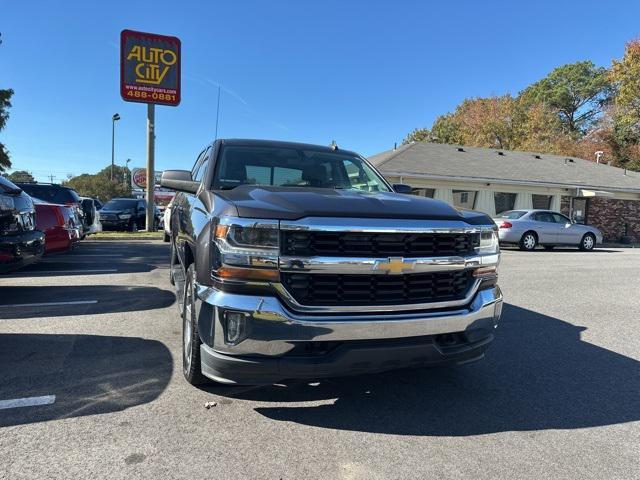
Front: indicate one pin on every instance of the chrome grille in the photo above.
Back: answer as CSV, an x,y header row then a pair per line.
x,y
327,289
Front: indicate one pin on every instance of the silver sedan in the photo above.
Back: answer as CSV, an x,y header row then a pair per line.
x,y
529,228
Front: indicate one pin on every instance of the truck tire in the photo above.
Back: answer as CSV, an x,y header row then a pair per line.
x,y
191,366
529,241
588,242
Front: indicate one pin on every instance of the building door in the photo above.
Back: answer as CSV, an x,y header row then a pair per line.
x,y
579,210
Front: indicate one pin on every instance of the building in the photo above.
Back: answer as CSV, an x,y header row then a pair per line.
x,y
493,181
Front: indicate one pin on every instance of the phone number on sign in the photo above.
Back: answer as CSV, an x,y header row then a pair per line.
x,y
167,97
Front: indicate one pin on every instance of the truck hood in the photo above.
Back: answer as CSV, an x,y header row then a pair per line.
x,y
292,203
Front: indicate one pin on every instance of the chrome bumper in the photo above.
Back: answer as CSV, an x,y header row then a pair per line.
x,y
273,330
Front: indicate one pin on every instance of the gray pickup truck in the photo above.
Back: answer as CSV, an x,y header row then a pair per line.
x,y
301,261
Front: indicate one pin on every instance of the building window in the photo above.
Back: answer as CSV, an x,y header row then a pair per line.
x,y
464,198
541,202
424,192
504,201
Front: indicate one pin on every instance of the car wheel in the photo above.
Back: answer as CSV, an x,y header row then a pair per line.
x,y
134,226
588,242
191,366
529,241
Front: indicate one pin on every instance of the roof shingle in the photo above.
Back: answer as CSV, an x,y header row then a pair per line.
x,y
473,163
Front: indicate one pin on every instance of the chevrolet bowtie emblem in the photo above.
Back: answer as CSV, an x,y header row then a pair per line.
x,y
395,265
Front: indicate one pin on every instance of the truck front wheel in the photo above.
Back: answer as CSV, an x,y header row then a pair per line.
x,y
191,342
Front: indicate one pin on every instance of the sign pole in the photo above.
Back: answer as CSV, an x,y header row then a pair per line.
x,y
151,178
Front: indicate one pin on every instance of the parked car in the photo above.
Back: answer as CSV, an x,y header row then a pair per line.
x,y
301,261
20,243
125,214
530,228
166,222
60,225
91,215
60,195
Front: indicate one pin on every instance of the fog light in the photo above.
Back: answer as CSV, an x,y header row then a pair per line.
x,y
235,327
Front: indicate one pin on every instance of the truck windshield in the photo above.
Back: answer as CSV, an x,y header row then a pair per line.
x,y
288,167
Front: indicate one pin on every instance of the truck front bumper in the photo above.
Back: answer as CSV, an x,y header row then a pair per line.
x,y
277,344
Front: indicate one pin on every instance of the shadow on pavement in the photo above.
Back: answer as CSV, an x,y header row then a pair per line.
x,y
110,299
100,258
537,375
88,374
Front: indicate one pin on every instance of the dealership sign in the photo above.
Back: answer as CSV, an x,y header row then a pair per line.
x,y
149,68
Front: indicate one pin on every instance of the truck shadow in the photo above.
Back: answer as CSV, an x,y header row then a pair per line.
x,y
538,375
88,374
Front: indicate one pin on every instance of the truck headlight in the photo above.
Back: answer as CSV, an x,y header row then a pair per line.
x,y
489,243
6,203
124,216
248,249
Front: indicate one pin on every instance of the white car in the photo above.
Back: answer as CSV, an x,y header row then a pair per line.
x,y
167,222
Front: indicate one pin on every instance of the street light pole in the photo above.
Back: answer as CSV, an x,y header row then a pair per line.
x,y
114,119
124,176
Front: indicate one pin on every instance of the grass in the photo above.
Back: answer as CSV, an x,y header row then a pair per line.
x,y
141,235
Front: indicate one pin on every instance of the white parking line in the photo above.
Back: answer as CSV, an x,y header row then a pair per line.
x,y
27,402
35,272
49,304
76,255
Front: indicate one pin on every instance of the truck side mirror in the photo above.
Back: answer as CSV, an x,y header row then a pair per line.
x,y
402,188
179,180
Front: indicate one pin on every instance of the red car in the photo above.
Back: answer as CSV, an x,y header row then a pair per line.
x,y
59,224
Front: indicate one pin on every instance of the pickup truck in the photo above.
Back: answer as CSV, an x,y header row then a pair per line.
x,y
296,261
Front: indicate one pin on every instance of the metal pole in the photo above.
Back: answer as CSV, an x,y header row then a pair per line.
x,y
113,142
151,112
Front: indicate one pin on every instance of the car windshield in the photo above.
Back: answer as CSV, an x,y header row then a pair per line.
x,y
512,214
51,193
120,204
289,167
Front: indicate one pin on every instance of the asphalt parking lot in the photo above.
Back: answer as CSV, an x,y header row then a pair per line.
x,y
95,335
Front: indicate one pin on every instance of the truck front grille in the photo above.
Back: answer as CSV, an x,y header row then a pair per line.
x,y
326,289
352,244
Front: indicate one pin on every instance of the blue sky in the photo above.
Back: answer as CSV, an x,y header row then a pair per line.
x,y
363,73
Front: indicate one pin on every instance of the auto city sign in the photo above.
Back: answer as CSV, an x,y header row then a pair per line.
x,y
149,68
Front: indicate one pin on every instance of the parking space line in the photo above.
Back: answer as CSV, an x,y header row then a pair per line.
x,y
76,255
49,304
27,402
35,272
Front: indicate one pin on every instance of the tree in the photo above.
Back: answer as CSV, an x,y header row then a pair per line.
x,y
576,91
100,186
5,104
446,129
21,176
418,135
488,122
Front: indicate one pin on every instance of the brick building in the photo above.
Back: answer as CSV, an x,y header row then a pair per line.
x,y
493,181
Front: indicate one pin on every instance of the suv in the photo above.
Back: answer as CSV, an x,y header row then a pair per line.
x,y
60,195
125,214
20,243
301,261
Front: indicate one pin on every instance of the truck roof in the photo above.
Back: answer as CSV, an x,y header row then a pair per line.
x,y
279,143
